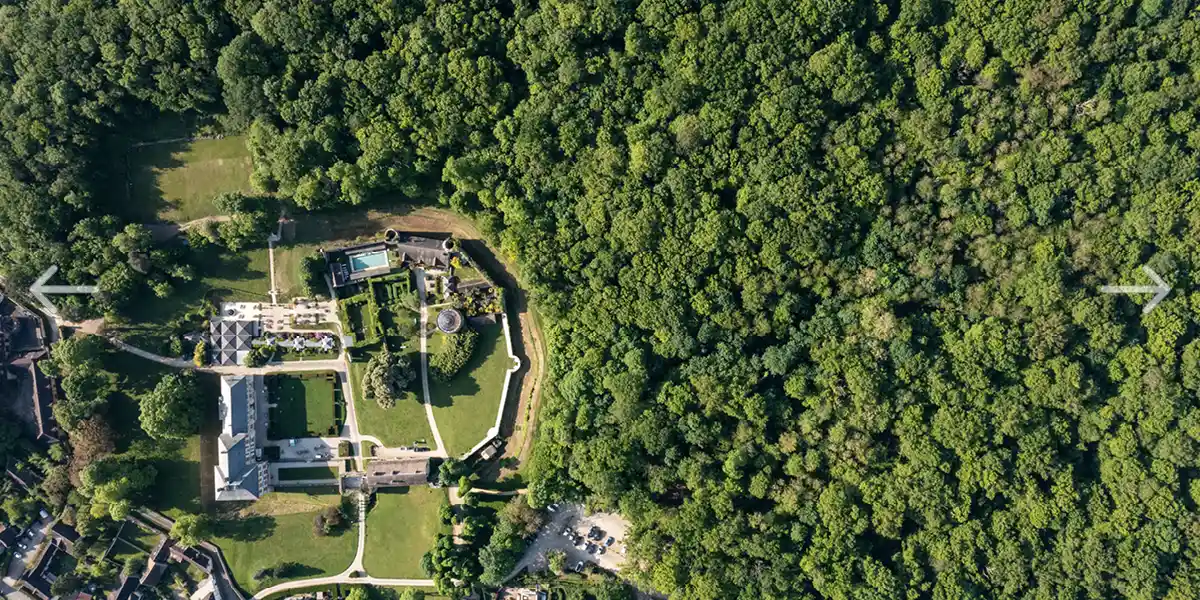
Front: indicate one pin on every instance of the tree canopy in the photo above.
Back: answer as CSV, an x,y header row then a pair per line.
x,y
173,409
821,279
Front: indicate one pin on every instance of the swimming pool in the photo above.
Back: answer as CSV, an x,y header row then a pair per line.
x,y
369,260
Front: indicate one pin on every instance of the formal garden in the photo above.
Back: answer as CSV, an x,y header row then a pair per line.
x,y
304,405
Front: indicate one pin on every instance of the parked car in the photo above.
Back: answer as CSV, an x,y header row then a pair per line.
x,y
552,508
600,549
591,548
609,541
579,567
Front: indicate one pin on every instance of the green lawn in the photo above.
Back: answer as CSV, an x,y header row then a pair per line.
x,y
300,473
465,407
277,529
305,405
289,274
400,425
177,181
401,528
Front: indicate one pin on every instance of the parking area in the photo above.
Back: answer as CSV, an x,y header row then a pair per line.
x,y
597,539
306,449
26,548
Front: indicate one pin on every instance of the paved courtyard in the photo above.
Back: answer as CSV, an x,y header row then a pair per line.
x,y
282,317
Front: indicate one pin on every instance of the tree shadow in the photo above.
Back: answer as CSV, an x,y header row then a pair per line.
x,y
252,528
300,571
144,199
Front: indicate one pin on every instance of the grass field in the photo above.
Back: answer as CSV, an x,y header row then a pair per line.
x,y
300,473
305,406
400,425
177,181
400,530
465,407
277,529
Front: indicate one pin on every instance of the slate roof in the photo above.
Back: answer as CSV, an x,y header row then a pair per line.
x,y
66,533
239,475
398,472
128,587
231,340
423,251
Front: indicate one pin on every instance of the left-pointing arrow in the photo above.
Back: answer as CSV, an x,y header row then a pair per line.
x,y
39,289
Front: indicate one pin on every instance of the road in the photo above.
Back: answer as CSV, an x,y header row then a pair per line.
x,y
421,294
342,579
333,364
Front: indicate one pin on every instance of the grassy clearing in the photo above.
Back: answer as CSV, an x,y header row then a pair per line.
x,y
277,529
465,407
177,181
401,528
302,473
305,406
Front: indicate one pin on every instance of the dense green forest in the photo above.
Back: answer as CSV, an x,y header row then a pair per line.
x,y
821,275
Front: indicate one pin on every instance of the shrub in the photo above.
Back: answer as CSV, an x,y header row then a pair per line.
x,y
134,565
259,356
313,269
330,520
200,354
454,354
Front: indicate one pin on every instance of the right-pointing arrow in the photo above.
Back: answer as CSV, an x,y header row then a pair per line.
x,y
1160,289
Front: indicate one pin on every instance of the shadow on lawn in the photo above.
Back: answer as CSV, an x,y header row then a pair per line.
x,y
145,198
253,528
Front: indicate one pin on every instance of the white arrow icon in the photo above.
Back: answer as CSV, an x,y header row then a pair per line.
x,y
39,289
1160,289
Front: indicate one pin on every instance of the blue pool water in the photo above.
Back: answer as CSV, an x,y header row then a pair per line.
x,y
370,260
